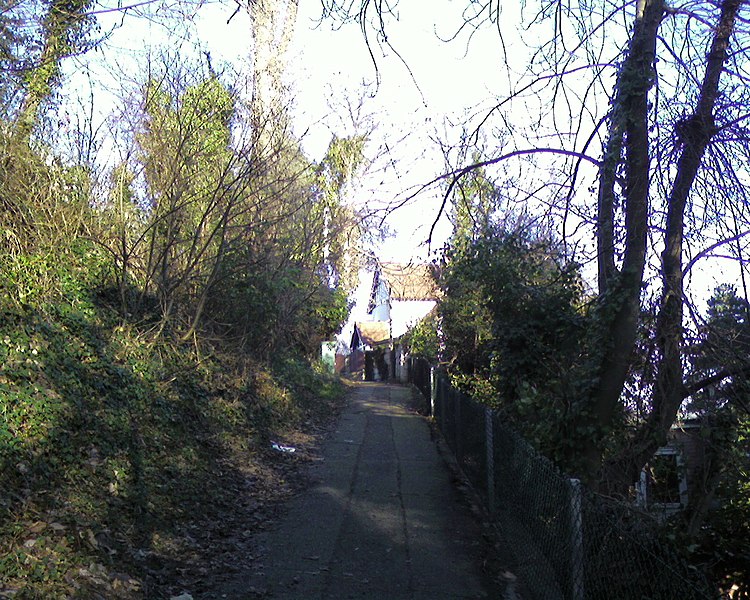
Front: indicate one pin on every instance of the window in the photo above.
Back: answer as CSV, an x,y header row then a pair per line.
x,y
663,484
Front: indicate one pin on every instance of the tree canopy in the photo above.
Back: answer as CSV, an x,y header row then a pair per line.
x,y
586,200
654,96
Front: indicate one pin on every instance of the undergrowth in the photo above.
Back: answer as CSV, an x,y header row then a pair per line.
x,y
113,447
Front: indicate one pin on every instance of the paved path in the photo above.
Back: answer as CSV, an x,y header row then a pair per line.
x,y
383,519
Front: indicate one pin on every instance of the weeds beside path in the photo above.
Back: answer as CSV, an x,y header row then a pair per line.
x,y
130,470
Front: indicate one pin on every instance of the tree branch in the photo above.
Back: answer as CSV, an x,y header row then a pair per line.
x,y
457,174
707,251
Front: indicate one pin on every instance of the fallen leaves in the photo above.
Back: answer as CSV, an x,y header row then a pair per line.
x,y
146,492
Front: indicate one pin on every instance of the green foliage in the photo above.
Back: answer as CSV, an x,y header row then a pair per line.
x,y
726,335
330,310
111,427
38,279
63,31
45,253
342,229
718,518
422,340
194,120
465,315
475,201
344,158
514,326
187,164
101,433
311,383
722,543
286,311
231,235
152,343
44,208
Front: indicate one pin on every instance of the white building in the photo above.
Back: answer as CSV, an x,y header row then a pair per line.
x,y
400,296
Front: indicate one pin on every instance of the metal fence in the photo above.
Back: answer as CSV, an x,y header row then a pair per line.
x,y
567,541
420,374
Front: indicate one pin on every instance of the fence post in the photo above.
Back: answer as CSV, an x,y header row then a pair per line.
x,y
458,430
576,540
433,391
441,398
489,441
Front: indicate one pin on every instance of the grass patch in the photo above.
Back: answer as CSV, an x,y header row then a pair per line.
x,y
120,459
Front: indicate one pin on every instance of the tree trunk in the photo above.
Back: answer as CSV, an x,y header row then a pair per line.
x,y
620,290
273,24
694,133
59,24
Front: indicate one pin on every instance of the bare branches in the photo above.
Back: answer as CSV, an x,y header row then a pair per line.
x,y
709,251
455,176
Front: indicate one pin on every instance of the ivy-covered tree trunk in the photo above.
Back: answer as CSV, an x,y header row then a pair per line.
x,y
60,27
694,134
620,289
273,24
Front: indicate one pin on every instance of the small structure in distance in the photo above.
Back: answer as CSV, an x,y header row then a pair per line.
x,y
401,295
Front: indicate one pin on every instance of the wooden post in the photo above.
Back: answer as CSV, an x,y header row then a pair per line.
x,y
576,541
489,440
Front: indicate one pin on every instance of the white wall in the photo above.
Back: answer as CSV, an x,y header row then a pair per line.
x,y
406,313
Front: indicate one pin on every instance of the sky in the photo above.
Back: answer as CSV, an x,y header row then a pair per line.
x,y
330,65
431,82
428,81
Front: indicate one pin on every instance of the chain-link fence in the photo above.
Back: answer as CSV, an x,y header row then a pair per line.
x,y
568,542
420,374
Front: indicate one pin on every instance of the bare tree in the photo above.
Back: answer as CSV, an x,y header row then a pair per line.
x,y
670,171
273,25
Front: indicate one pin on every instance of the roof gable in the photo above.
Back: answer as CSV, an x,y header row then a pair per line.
x,y
372,333
410,281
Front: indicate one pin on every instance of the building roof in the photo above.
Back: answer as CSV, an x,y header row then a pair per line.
x,y
372,333
410,281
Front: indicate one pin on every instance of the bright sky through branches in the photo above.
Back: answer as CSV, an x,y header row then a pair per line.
x,y
416,90
423,80
331,67
425,92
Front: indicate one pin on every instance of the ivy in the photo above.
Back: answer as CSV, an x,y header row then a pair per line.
x,y
515,321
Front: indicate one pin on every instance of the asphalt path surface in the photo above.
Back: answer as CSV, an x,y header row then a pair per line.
x,y
383,518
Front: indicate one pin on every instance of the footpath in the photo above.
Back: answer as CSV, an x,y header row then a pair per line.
x,y
382,519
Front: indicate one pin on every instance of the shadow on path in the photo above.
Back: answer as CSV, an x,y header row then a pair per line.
x,y
382,518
